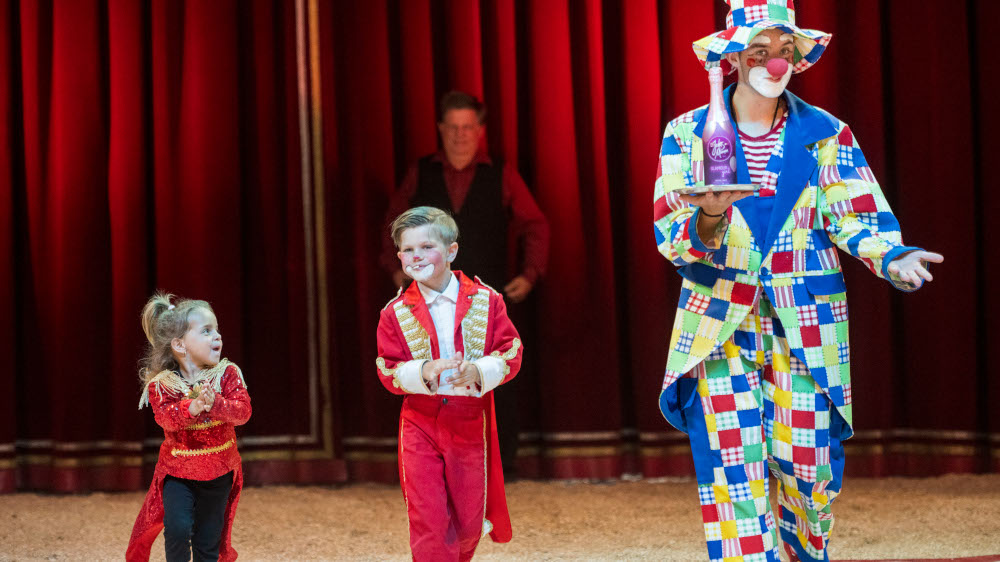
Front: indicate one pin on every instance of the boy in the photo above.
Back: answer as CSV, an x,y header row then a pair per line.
x,y
445,343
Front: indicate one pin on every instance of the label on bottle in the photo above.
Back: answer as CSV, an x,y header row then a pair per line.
x,y
720,149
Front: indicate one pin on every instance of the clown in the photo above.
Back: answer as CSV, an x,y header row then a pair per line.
x,y
758,373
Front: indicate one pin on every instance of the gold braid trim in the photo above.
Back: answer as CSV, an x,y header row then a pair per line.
x,y
474,325
415,335
386,372
480,281
205,425
416,339
510,354
202,452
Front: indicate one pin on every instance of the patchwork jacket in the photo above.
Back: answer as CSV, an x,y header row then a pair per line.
x,y
827,198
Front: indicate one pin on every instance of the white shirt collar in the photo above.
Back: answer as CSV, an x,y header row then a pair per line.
x,y
450,292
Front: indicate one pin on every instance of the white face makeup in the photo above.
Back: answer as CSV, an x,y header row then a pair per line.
x,y
762,81
767,45
424,256
421,272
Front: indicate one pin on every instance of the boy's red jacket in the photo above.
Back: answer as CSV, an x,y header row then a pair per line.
x,y
482,328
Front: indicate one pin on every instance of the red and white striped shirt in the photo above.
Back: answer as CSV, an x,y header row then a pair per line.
x,y
758,151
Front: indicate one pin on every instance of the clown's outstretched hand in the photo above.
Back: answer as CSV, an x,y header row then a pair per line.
x,y
911,267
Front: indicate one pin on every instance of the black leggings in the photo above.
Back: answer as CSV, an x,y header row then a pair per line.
x,y
193,515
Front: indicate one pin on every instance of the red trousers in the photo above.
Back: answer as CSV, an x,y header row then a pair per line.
x,y
442,465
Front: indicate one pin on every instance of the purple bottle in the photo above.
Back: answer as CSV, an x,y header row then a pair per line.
x,y
718,138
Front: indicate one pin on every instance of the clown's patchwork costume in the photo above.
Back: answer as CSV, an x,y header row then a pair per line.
x,y
449,457
758,373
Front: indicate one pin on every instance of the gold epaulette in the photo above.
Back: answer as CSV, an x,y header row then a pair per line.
x,y
480,281
173,382
164,379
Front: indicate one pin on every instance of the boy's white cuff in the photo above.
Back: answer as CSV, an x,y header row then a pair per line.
x,y
491,369
408,375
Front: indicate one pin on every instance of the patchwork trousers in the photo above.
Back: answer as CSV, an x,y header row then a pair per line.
x,y
754,407
442,457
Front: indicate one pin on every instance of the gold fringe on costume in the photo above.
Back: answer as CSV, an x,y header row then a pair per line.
x,y
173,382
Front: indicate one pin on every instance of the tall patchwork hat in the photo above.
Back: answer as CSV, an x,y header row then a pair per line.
x,y
746,19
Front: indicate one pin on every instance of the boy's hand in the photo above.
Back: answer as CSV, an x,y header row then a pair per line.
x,y
468,374
432,369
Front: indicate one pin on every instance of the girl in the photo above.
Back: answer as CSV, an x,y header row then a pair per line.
x,y
198,398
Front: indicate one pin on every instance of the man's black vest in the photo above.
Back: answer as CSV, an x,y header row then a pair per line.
x,y
482,220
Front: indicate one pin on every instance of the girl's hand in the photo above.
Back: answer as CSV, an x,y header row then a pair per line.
x,y
197,406
209,398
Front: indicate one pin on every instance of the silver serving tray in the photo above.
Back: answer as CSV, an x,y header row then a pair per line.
x,y
699,189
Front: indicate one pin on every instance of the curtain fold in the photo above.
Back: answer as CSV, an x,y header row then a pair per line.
x,y
245,152
150,145
985,116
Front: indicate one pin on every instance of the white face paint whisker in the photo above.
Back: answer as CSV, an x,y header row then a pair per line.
x,y
422,274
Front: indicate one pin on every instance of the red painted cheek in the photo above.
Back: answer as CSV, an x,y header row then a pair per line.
x,y
432,256
751,62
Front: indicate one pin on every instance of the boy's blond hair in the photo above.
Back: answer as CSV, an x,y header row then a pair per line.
x,y
441,224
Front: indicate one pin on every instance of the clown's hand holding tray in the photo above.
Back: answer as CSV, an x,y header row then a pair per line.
x,y
758,371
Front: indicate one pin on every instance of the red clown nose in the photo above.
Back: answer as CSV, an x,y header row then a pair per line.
x,y
777,67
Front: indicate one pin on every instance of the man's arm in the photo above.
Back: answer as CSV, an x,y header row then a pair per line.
x,y
914,267
857,217
528,224
683,236
503,348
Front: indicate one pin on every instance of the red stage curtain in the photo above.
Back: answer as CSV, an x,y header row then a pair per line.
x,y
150,145
159,145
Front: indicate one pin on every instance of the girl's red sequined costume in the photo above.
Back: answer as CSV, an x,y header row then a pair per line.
x,y
200,448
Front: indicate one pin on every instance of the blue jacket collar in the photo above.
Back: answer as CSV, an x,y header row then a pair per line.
x,y
806,126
